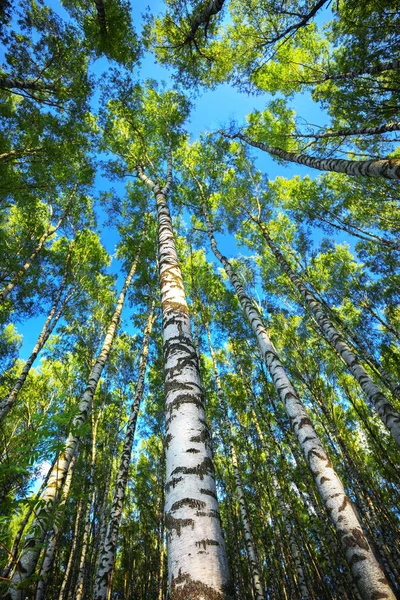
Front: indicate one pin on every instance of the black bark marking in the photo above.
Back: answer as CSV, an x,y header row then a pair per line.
x,y
171,523
204,468
191,502
346,501
206,543
203,436
209,493
173,482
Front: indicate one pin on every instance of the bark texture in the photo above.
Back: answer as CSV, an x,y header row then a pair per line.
x,y
107,552
365,569
197,563
389,168
389,416
44,515
203,18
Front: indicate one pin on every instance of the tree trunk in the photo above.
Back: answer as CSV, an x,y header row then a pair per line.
x,y
8,402
72,553
365,569
101,16
213,8
88,512
389,168
385,128
107,553
196,549
52,544
10,83
14,551
42,520
389,416
258,585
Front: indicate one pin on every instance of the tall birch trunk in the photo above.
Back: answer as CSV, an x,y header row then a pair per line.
x,y
197,563
40,524
385,128
107,553
389,416
389,168
10,83
365,569
88,512
50,551
254,568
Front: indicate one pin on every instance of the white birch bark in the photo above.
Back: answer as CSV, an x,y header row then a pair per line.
x,y
197,563
40,524
365,569
203,18
79,588
255,571
14,551
389,168
72,553
107,553
389,416
48,559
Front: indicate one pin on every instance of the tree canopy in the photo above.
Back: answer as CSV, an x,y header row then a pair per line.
x,y
199,332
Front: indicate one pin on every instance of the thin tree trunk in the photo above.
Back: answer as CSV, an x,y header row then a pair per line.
x,y
52,544
365,569
213,8
72,553
23,84
88,512
196,549
48,233
385,128
42,520
14,551
258,585
389,168
390,65
8,402
389,416
18,153
107,553
101,16
254,568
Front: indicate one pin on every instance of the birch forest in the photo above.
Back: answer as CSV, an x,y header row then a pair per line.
x,y
199,300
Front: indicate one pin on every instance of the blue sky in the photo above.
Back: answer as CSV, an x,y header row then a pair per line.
x,y
211,110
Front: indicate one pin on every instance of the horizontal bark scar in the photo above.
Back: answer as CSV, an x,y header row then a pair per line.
x,y
204,468
191,502
177,524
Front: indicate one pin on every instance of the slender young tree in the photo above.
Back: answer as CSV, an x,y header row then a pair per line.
x,y
42,520
107,552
